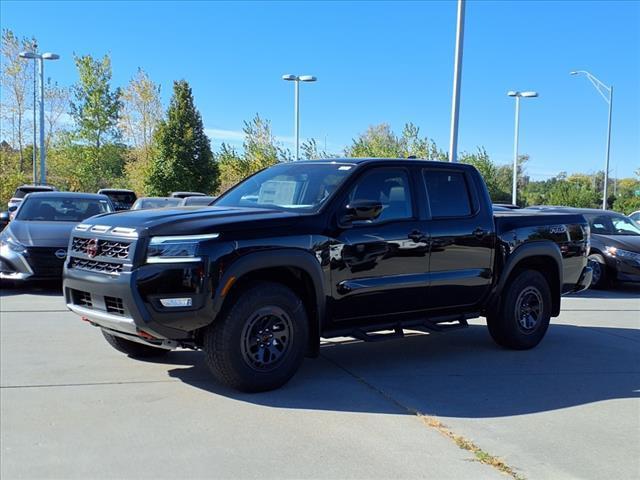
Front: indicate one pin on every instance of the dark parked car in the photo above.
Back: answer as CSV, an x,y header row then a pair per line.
x,y
198,200
615,245
305,250
635,216
187,194
145,203
20,193
34,244
120,198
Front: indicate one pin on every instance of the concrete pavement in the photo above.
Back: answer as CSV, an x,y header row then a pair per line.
x,y
73,407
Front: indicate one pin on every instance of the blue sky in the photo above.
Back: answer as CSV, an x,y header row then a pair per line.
x,y
376,62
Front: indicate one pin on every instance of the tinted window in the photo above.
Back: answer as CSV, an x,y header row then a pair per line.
x,y
61,209
448,193
612,225
390,187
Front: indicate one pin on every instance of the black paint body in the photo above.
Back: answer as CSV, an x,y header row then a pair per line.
x,y
350,276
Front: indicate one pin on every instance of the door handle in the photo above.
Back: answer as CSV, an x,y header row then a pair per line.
x,y
479,232
418,237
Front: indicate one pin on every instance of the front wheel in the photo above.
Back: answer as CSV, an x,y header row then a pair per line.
x,y
259,342
133,349
523,316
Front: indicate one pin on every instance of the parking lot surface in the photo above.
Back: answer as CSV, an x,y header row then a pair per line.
x,y
72,407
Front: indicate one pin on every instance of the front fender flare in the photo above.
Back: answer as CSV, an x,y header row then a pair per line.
x,y
292,258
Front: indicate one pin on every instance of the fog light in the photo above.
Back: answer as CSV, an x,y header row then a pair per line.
x,y
176,302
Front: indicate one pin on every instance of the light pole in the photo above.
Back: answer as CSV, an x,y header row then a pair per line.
x,y
457,81
518,96
601,88
297,79
40,58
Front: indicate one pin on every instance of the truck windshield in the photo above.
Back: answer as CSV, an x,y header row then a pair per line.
x,y
288,186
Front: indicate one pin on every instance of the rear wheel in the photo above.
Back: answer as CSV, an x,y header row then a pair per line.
x,y
600,279
259,342
134,349
523,316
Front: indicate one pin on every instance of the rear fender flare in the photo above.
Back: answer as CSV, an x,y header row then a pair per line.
x,y
529,250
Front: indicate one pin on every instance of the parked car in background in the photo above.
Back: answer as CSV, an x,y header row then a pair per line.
x,y
198,200
20,193
120,198
635,216
34,244
508,206
187,194
4,219
305,250
615,245
145,203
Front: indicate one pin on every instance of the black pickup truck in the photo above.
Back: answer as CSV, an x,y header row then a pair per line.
x,y
354,247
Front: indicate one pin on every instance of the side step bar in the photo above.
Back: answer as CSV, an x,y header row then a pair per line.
x,y
425,325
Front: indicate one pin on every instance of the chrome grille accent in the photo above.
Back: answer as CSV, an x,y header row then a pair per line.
x,y
106,248
95,266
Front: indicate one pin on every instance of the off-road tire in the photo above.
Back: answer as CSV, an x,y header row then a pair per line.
x,y
133,349
508,323
600,280
232,348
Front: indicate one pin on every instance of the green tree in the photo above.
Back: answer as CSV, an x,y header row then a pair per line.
x,y
16,83
379,141
182,158
260,150
573,193
498,191
95,107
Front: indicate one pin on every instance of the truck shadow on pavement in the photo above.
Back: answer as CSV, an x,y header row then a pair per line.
x,y
458,374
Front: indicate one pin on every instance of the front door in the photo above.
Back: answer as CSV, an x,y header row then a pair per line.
x,y
380,267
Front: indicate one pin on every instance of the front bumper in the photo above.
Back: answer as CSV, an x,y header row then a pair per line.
x,y
627,270
584,281
129,304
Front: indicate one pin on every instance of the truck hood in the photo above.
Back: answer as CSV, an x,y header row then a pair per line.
x,y
41,234
190,220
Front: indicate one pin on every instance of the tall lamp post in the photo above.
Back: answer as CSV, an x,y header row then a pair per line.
x,y
457,82
601,88
297,79
518,96
40,58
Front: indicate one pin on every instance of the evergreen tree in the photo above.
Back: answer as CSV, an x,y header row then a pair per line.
x,y
183,159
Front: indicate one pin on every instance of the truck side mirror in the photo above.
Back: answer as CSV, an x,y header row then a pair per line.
x,y
361,210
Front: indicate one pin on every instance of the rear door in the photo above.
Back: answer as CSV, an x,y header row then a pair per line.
x,y
462,238
380,267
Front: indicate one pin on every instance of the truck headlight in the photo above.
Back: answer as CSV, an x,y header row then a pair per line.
x,y
11,243
176,249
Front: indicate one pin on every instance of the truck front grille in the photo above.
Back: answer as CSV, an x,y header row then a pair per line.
x,y
103,248
95,266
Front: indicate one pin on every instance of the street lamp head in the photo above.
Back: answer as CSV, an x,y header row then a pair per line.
x,y
307,78
289,77
50,56
513,93
29,55
529,94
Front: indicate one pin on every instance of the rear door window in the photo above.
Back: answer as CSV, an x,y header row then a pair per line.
x,y
448,193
